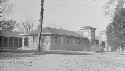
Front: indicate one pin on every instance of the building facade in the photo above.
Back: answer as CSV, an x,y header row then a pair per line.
x,y
88,32
10,40
54,39
103,41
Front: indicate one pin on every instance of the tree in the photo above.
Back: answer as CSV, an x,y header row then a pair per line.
x,y
7,25
27,25
7,7
116,28
112,6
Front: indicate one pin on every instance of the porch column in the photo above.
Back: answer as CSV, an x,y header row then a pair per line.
x,y
8,41
13,42
23,41
18,42
2,41
100,40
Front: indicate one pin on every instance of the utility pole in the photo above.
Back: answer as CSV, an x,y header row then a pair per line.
x,y
40,46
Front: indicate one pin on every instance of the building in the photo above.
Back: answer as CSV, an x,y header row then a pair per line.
x,y
13,40
103,41
10,40
54,39
88,32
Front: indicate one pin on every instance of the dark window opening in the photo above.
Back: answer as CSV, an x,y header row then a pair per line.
x,y
26,41
103,43
5,42
1,41
11,42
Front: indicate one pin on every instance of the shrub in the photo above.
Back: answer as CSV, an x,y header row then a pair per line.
x,y
97,48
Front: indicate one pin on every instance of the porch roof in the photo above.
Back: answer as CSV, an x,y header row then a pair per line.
x,y
9,33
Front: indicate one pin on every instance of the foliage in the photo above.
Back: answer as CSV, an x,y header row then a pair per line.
x,y
97,48
7,7
116,29
27,25
112,6
7,25
112,42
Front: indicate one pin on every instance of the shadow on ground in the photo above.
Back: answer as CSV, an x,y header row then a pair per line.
x,y
9,55
65,53
27,53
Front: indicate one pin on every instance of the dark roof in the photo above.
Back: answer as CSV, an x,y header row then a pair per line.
x,y
60,32
10,33
46,30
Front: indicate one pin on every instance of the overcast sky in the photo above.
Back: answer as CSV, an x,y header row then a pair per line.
x,y
72,14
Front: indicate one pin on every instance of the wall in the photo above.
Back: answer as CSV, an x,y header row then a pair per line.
x,y
89,33
69,47
49,44
32,42
46,42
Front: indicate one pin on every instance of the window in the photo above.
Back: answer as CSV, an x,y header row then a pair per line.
x,y
63,40
58,39
25,41
76,40
68,40
79,41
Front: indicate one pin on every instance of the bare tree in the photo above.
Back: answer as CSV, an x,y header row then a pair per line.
x,y
7,7
7,24
28,24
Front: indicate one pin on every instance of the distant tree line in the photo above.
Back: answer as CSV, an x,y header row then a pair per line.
x,y
6,8
12,25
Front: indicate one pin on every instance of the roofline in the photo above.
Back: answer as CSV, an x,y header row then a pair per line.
x,y
48,34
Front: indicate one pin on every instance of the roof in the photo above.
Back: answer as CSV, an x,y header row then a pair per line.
x,y
17,34
88,27
46,30
9,33
49,30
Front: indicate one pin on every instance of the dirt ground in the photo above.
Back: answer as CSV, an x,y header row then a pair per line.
x,y
108,61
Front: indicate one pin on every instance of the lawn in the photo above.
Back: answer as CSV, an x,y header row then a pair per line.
x,y
107,61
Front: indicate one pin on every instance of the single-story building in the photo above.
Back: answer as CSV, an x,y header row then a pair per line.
x,y
10,40
54,39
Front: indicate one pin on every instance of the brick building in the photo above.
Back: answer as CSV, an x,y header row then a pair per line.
x,y
53,39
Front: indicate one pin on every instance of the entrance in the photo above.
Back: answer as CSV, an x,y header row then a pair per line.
x,y
26,41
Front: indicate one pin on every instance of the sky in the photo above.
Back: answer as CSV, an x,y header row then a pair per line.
x,y
71,14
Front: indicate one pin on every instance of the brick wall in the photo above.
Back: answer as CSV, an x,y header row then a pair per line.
x,y
70,47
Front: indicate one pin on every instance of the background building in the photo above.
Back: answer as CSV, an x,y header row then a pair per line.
x,y
103,40
88,32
